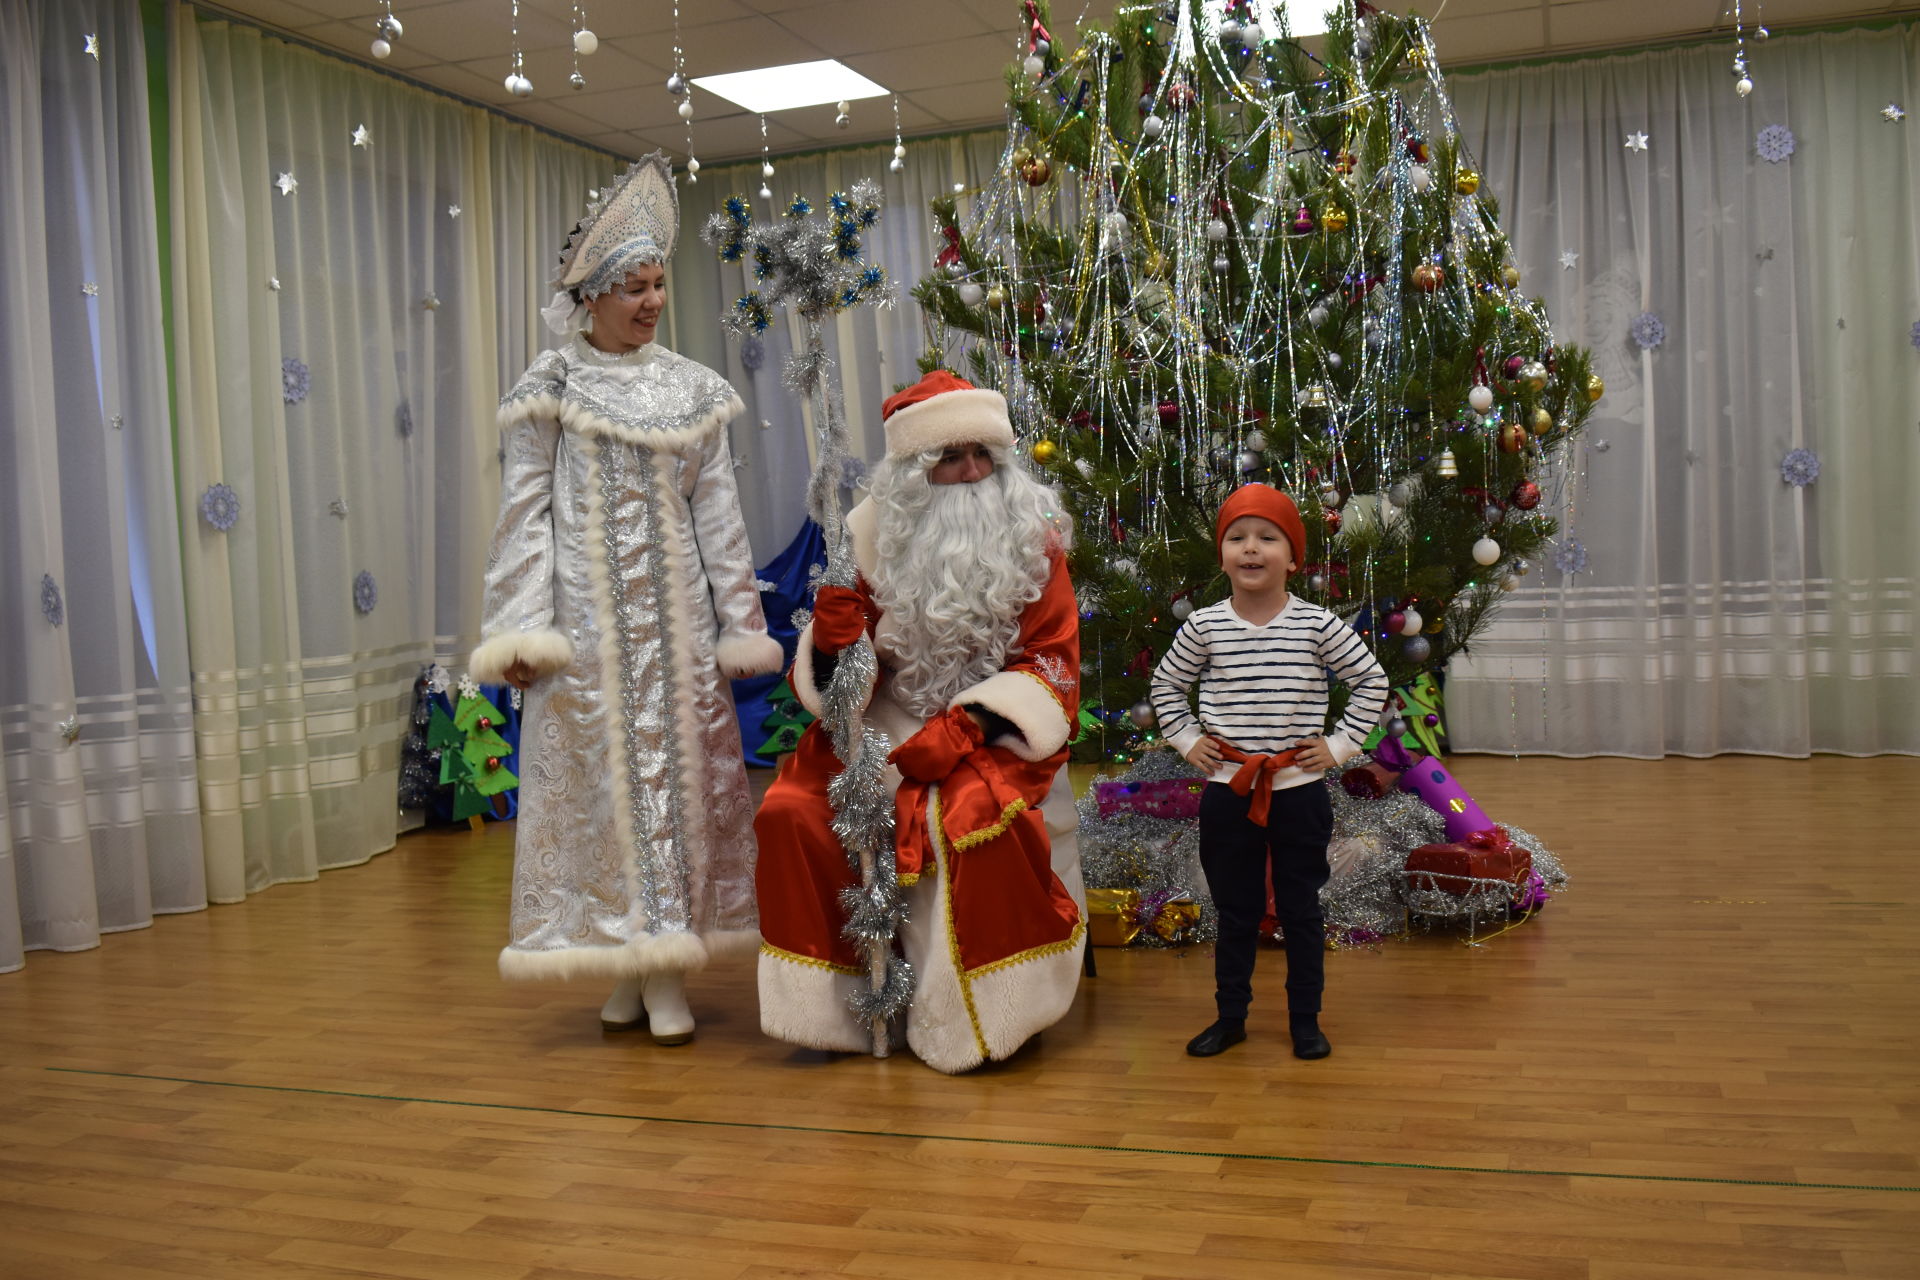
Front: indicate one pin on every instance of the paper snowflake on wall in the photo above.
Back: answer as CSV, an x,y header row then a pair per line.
x,y
403,418
1916,335
1774,143
53,605
1800,468
294,381
1647,331
366,592
220,506
753,353
1570,556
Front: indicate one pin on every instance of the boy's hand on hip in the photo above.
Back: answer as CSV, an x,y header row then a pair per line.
x,y
1315,755
1205,754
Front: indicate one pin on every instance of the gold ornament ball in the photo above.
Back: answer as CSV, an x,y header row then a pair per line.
x,y
1429,277
996,296
1045,451
1510,274
1466,182
1334,218
1540,422
1036,171
1534,374
1512,438
1156,264
1595,387
1021,159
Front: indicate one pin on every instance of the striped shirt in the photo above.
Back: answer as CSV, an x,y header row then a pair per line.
x,y
1264,689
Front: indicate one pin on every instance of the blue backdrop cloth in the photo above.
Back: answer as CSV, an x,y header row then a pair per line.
x,y
791,573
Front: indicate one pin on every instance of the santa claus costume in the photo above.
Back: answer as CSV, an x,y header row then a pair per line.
x,y
964,590
620,579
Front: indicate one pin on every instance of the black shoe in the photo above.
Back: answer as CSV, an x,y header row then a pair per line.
x,y
1308,1042
1218,1038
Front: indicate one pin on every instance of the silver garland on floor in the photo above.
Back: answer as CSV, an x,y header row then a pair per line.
x,y
813,265
1370,895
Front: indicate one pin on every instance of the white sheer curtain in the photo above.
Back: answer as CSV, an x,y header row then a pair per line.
x,y
339,285
99,827
1720,609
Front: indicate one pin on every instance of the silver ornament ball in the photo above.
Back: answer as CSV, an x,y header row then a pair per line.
x,y
676,84
1141,713
1417,649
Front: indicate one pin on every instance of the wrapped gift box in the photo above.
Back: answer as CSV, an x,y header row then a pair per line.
x,y
1113,916
1454,868
1176,798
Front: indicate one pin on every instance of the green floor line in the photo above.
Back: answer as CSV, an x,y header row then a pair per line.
x,y
993,1142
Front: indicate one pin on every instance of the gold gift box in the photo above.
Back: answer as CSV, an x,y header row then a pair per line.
x,y
1113,916
1177,920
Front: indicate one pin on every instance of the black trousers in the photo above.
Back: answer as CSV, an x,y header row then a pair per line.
x,y
1235,853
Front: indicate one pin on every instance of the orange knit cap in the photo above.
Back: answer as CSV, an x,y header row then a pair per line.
x,y
1268,503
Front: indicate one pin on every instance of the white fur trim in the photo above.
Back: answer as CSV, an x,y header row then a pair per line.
x,y
586,422
546,651
806,1004
975,416
863,527
753,653
1024,699
648,953
806,685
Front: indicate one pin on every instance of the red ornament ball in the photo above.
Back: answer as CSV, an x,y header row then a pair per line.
x,y
1429,277
1511,369
1333,520
1395,621
493,762
485,723
1526,495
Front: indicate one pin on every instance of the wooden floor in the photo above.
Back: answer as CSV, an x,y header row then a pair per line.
x,y
1700,1062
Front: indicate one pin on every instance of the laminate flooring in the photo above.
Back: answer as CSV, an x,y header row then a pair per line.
x,y
1698,1062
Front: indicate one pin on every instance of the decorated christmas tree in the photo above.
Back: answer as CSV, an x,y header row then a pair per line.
x,y
473,755
1213,256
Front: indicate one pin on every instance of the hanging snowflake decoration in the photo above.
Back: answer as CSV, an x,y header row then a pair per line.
x,y
220,506
1570,557
468,686
1774,143
439,679
403,419
853,472
1800,468
1647,331
753,353
69,729
294,381
53,605
1915,335
366,593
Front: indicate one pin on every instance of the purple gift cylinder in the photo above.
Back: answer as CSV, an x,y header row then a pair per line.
x,y
1427,778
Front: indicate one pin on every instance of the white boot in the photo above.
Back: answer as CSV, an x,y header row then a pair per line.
x,y
623,1010
665,993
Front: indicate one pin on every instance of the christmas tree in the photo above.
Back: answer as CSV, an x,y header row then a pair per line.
x,y
473,755
1211,256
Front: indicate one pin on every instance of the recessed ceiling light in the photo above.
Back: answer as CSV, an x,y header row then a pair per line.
x,y
800,84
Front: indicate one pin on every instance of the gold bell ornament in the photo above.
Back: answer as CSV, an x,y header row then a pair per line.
x,y
1448,467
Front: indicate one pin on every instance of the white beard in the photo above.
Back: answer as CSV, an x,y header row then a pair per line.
x,y
957,566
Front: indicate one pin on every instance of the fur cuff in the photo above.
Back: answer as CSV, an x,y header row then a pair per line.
x,y
806,687
545,651
752,653
647,953
1027,701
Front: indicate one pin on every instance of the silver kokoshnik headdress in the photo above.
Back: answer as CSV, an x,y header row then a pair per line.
x,y
632,222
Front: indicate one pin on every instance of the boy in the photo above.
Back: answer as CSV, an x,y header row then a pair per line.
x,y
1261,657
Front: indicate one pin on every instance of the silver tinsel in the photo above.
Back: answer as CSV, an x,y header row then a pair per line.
x,y
1369,896
813,265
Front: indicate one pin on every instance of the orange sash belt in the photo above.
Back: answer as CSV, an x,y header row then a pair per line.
x,y
1255,776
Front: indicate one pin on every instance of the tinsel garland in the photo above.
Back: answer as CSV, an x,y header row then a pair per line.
x,y
1370,895
813,265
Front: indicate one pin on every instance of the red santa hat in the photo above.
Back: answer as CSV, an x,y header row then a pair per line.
x,y
1268,503
941,411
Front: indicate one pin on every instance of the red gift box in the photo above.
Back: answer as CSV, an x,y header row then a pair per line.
x,y
1482,856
